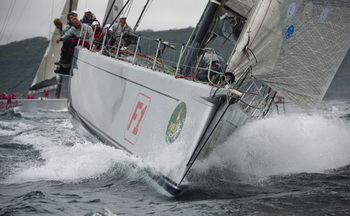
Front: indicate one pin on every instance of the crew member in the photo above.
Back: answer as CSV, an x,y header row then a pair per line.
x,y
78,32
88,17
119,28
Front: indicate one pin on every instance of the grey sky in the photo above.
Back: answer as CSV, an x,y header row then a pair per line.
x,y
21,19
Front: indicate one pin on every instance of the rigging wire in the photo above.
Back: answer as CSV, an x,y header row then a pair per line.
x,y
108,13
51,23
124,6
18,19
7,18
54,13
145,9
128,8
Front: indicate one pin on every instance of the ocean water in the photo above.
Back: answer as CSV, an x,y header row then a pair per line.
x,y
293,164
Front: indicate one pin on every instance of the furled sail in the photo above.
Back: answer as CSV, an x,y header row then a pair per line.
x,y
45,75
294,46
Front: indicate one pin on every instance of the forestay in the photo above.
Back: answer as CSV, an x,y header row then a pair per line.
x,y
294,46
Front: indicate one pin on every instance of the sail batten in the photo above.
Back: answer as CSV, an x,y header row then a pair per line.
x,y
298,47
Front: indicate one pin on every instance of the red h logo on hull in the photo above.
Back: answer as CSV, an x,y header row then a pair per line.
x,y
136,119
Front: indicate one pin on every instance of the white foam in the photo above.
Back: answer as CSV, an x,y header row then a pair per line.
x,y
286,144
68,162
11,128
71,163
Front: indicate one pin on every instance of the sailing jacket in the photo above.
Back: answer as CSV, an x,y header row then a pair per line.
x,y
64,28
118,28
80,32
88,20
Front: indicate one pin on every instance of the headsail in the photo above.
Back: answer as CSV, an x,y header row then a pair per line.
x,y
294,46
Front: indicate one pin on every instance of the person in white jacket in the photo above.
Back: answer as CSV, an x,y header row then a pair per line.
x,y
119,28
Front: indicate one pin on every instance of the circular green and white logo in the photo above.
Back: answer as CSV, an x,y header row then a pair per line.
x,y
176,123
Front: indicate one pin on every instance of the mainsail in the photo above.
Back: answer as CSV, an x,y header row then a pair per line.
x,y
294,46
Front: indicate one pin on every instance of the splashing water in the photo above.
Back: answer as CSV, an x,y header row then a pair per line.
x,y
286,144
64,156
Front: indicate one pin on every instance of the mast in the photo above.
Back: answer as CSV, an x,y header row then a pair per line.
x,y
200,36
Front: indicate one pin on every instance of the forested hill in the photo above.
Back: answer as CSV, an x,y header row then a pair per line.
x,y
177,36
20,60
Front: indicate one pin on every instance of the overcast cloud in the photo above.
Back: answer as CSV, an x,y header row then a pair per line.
x,y
23,19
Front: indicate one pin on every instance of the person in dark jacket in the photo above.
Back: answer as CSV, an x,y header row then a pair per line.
x,y
88,17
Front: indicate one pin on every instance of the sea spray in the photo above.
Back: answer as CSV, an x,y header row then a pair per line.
x,y
63,156
285,144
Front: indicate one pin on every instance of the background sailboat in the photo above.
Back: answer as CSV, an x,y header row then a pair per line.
x,y
45,78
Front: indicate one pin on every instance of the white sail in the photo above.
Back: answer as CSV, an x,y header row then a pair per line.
x,y
295,47
45,75
114,12
242,7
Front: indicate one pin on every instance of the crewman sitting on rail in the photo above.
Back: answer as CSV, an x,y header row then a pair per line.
x,y
119,28
88,17
96,27
79,32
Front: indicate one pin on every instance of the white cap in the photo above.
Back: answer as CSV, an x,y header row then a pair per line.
x,y
87,10
107,26
73,11
123,16
95,23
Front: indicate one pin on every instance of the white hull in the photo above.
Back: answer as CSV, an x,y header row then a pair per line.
x,y
33,105
140,111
